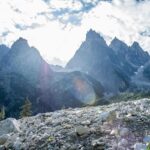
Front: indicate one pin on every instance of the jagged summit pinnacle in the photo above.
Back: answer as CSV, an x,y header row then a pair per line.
x,y
94,36
116,40
92,33
136,45
118,45
21,42
21,45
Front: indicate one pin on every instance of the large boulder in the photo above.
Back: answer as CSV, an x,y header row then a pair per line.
x,y
3,139
9,125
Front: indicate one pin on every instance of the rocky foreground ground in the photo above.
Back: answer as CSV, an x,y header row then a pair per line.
x,y
120,126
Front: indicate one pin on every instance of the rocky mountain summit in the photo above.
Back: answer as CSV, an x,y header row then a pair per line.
x,y
120,126
121,61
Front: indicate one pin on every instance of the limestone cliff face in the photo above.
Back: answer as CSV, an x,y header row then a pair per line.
x,y
122,125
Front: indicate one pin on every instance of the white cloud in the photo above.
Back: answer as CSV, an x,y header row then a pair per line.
x,y
68,4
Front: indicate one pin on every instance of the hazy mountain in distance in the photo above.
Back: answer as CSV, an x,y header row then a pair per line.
x,y
57,65
57,68
57,61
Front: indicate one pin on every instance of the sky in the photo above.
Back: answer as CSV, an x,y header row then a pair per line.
x,y
58,27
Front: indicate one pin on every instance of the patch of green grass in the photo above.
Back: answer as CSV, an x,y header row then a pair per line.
x,y
148,147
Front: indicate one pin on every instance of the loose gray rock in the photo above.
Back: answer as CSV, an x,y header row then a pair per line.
x,y
87,122
9,125
124,131
17,144
81,130
146,139
115,132
98,144
140,146
2,147
3,138
123,142
104,116
88,128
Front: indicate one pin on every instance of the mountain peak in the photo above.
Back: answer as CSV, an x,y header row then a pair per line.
x,y
20,43
118,45
136,45
137,55
116,40
93,35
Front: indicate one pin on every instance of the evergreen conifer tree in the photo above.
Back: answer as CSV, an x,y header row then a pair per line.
x,y
2,113
26,109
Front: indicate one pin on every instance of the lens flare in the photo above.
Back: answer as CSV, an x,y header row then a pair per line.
x,y
84,91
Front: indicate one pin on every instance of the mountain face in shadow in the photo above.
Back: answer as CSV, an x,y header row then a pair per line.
x,y
24,73
146,72
79,86
122,50
26,61
136,62
112,65
96,59
137,55
3,51
134,55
